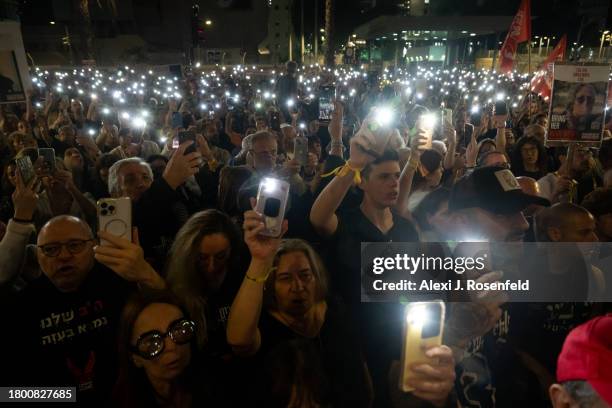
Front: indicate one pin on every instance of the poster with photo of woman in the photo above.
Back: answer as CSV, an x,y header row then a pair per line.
x,y
578,104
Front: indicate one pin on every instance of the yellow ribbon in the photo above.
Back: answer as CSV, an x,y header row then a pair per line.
x,y
345,170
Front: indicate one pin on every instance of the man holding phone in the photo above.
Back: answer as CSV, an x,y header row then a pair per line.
x,y
64,321
374,220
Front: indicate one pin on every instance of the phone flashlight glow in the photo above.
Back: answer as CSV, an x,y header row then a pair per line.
x,y
270,185
417,315
475,109
428,120
500,96
383,116
105,111
139,123
290,103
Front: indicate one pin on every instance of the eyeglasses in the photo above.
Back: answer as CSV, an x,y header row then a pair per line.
x,y
583,98
75,246
151,344
288,278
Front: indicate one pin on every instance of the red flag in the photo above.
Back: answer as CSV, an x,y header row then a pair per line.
x,y
520,31
542,81
558,51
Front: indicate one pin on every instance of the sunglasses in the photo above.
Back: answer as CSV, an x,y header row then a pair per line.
x,y
589,99
151,344
75,246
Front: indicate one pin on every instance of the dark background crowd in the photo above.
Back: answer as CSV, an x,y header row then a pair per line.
x,y
200,309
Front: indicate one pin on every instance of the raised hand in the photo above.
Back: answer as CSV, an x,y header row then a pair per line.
x,y
261,247
126,259
471,153
435,380
25,198
182,166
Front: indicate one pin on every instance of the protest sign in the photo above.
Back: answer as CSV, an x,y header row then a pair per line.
x,y
577,105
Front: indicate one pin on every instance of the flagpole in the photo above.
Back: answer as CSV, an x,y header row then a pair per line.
x,y
529,71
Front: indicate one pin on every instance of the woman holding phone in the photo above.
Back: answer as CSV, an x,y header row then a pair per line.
x,y
294,306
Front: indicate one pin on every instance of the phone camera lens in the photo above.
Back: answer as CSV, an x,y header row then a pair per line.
x,y
111,208
104,212
103,205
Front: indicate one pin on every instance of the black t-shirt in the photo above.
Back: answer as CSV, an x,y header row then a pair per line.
x,y
343,257
66,339
333,357
380,324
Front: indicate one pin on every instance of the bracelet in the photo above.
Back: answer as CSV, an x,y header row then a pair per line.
x,y
262,279
344,170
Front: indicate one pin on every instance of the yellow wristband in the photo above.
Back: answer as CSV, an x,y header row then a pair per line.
x,y
259,280
212,164
343,171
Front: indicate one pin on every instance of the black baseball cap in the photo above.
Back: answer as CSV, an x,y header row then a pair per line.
x,y
494,189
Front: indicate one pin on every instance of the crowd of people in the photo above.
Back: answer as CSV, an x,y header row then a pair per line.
x,y
199,308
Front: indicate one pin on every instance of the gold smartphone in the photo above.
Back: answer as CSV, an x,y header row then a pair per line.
x,y
423,328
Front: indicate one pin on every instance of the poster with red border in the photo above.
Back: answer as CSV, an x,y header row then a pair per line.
x,y
577,104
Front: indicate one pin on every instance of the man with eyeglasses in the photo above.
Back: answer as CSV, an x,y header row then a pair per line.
x,y
63,323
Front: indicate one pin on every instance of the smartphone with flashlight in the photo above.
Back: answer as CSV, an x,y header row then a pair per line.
x,y
426,123
447,117
300,150
177,120
423,328
185,136
327,94
26,169
115,217
48,155
275,121
272,199
501,108
476,116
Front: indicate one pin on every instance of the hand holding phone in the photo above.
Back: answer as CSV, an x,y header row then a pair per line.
x,y
187,135
115,217
426,124
25,168
300,150
272,199
423,330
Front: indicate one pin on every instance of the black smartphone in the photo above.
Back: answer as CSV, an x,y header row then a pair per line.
x,y
327,94
476,117
186,135
501,108
177,120
275,121
48,155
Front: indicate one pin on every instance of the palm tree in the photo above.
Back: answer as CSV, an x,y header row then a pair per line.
x,y
87,32
329,32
